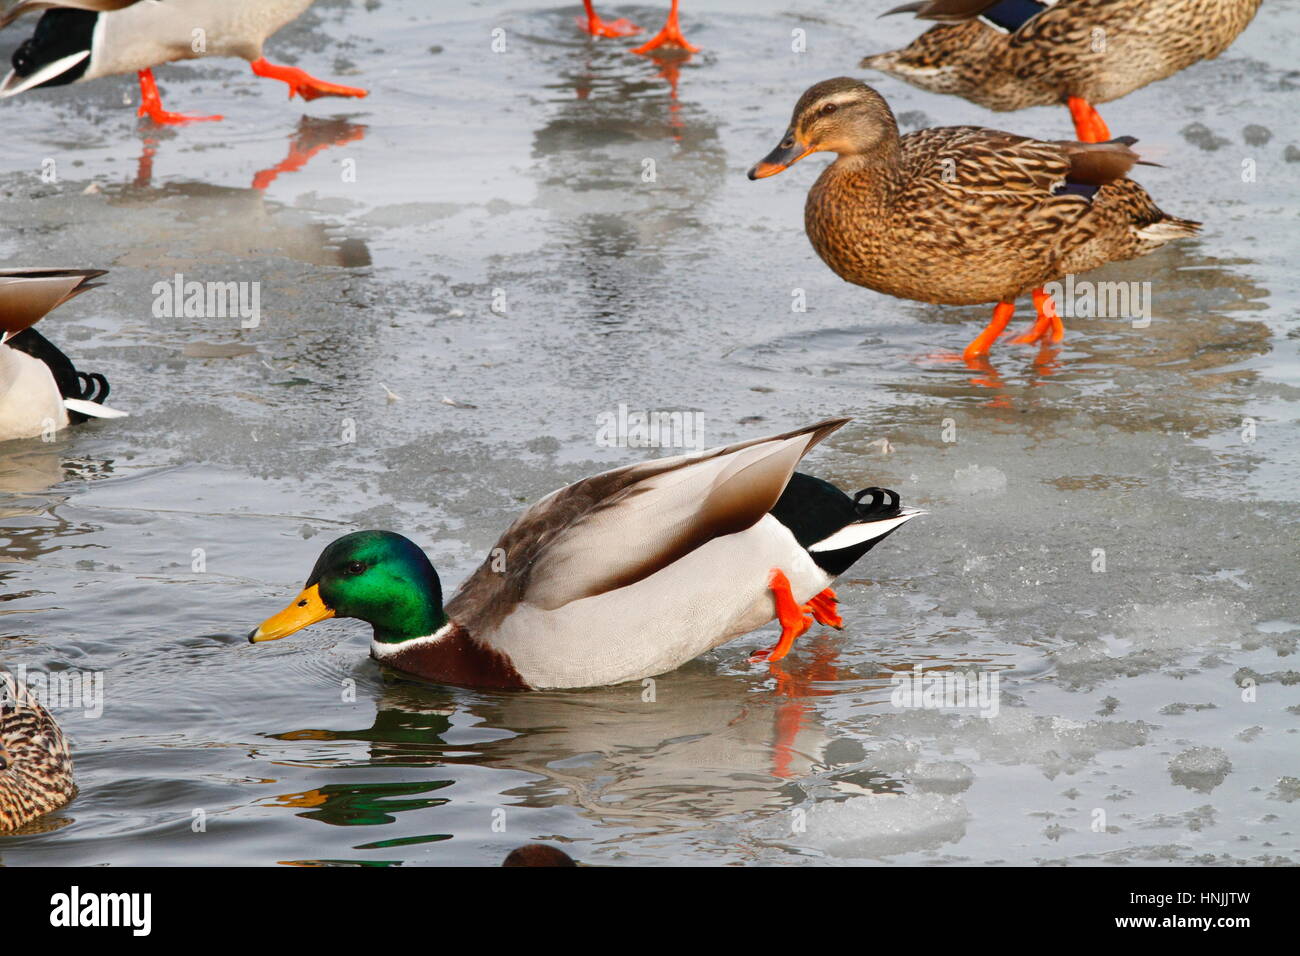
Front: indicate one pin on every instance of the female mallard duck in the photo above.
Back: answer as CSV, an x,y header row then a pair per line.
x,y
40,389
624,575
961,215
670,35
79,40
1010,54
35,766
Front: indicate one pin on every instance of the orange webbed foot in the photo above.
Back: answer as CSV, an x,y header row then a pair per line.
x,y
791,614
606,28
1047,327
167,118
151,105
978,350
301,83
824,607
670,35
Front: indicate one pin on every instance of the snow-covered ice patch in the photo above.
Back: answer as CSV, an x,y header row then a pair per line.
x,y
877,825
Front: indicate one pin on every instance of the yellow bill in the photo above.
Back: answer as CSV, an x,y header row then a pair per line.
x,y
307,609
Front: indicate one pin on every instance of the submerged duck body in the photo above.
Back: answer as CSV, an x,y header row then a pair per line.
x,y
41,391
1012,54
624,575
35,765
961,215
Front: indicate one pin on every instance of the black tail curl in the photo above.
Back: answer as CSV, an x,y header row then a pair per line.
x,y
94,387
883,504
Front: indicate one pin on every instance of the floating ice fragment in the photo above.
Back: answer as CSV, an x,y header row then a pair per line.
x,y
877,825
1200,768
943,776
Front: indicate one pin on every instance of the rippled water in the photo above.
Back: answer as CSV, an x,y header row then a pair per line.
x,y
519,175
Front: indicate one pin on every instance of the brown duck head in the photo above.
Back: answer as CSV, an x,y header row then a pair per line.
x,y
842,115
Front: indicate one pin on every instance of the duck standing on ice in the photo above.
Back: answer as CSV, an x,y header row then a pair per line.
x,y
77,40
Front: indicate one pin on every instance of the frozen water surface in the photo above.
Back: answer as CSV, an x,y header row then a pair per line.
x,y
1148,712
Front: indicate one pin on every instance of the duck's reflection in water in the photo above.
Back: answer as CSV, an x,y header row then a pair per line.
x,y
673,752
312,136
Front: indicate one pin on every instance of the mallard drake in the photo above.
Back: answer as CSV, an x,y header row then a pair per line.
x,y
35,766
670,35
617,577
961,215
40,389
78,40
1010,54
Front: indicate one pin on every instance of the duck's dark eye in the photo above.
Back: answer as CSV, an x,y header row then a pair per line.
x,y
354,567
828,109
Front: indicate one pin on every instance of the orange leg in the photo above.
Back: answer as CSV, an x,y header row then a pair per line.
x,y
670,35
1002,313
301,82
789,612
1100,131
1088,124
823,607
151,105
606,28
1048,325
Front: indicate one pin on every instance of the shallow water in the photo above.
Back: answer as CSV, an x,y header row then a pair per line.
x,y
517,176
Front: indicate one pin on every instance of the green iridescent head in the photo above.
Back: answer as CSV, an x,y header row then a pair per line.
x,y
378,577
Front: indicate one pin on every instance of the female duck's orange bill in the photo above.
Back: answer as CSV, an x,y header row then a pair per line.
x,y
306,610
783,157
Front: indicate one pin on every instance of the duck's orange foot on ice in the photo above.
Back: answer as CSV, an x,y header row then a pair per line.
x,y
1048,327
151,105
301,83
607,28
670,35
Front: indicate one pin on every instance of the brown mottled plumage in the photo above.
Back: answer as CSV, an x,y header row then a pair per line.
x,y
960,215
35,766
1092,50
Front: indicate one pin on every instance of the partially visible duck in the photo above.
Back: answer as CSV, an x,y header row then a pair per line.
x,y
621,576
962,215
538,854
35,765
41,391
670,35
77,40
1010,54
